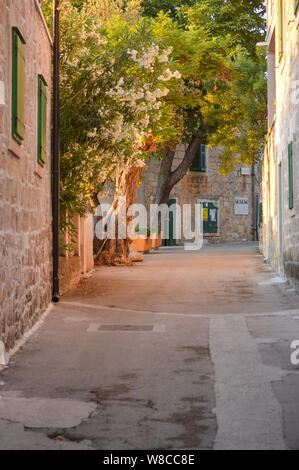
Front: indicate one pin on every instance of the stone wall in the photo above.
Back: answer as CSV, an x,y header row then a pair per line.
x,y
69,273
209,185
280,222
25,187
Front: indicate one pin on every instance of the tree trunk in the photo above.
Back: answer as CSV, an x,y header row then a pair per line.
x,y
116,251
167,178
163,188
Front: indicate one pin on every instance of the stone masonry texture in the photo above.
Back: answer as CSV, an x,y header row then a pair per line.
x,y
25,187
210,185
280,241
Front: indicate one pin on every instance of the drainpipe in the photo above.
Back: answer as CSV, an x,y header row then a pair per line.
x,y
55,163
253,204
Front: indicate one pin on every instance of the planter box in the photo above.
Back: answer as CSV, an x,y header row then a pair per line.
x,y
141,243
144,245
148,246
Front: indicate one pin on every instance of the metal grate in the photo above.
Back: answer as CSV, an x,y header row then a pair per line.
x,y
126,327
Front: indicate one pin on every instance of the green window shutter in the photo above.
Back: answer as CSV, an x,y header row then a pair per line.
x,y
203,157
18,85
196,162
42,121
291,175
296,5
199,162
260,213
280,28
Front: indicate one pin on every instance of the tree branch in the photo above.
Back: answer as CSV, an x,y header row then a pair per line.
x,y
184,166
164,174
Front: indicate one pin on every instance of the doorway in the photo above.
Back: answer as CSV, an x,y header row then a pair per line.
x,y
210,216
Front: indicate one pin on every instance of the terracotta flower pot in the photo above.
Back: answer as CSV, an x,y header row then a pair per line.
x,y
144,244
140,243
148,245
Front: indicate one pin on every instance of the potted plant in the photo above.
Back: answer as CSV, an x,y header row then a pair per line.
x,y
143,242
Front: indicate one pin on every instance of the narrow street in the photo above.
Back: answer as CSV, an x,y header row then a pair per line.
x,y
187,350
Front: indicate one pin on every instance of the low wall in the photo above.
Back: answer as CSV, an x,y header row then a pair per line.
x,y
69,273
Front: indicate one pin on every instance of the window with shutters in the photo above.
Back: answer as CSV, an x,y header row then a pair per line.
x,y
199,162
291,175
42,121
18,85
280,29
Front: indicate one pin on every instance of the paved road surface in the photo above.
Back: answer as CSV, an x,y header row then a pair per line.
x,y
188,350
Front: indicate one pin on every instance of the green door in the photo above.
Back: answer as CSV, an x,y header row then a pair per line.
x,y
210,217
171,221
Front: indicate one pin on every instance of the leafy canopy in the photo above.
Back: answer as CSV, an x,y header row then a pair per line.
x,y
224,75
114,75
134,84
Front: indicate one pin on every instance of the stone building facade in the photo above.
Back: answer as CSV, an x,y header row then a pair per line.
x,y
230,203
280,187
25,167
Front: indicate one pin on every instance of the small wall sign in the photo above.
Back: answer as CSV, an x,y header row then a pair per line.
x,y
241,205
245,170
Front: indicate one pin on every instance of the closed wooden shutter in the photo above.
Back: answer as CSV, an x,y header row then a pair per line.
x,y
199,162
291,175
196,162
203,157
260,213
18,85
42,121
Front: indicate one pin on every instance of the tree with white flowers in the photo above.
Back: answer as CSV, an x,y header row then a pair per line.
x,y
114,76
132,86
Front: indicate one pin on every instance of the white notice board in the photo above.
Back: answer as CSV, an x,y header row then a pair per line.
x,y
241,205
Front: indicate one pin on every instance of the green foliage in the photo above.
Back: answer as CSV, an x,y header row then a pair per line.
x,y
243,20
201,60
238,111
133,85
78,3
111,93
145,231
223,95
153,7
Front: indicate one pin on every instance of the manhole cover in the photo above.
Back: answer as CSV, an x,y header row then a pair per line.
x,y
127,327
